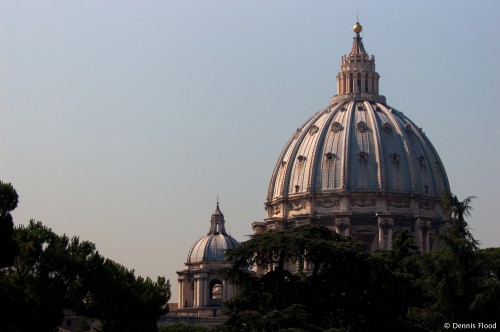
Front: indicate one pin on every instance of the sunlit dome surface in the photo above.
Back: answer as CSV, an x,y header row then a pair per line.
x,y
358,146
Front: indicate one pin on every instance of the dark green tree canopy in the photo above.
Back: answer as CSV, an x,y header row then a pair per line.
x,y
345,289
337,290
8,198
8,202
54,272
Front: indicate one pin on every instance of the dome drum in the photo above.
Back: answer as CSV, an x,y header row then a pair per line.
x,y
339,203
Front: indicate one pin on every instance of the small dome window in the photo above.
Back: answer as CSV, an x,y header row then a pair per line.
x,y
362,127
361,107
387,127
394,157
421,160
313,130
363,155
408,128
297,188
330,156
301,159
336,127
378,109
283,163
297,133
343,109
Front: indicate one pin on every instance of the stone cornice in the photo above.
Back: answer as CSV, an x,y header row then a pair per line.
x,y
358,96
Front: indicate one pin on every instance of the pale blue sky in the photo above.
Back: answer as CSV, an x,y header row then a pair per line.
x,y
121,120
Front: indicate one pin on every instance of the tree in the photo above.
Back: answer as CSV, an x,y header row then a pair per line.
x,y
54,272
36,288
8,202
335,290
123,302
457,285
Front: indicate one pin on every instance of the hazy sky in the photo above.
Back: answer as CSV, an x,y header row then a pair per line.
x,y
120,121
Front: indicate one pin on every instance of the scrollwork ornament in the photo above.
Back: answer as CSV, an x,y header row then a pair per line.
x,y
363,202
399,203
426,205
296,206
327,203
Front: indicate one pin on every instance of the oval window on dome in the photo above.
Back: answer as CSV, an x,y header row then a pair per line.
x,y
336,127
363,155
313,130
301,159
394,157
387,127
330,156
408,128
362,126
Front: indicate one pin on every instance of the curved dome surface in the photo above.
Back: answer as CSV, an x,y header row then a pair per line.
x,y
358,146
212,247
359,166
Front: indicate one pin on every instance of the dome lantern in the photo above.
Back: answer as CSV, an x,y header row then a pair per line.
x,y
357,77
217,222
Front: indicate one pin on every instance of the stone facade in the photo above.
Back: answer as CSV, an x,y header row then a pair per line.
x,y
202,290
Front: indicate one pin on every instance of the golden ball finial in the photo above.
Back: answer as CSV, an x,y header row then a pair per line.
x,y
357,27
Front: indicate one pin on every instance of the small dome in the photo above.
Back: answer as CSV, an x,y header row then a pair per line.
x,y
211,247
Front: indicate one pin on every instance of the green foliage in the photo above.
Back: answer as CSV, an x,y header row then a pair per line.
x,y
8,198
8,202
457,282
339,291
54,272
347,290
123,302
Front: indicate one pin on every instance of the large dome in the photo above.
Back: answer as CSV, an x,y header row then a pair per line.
x,y
358,164
212,247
